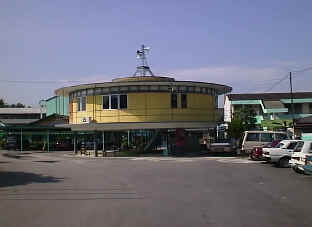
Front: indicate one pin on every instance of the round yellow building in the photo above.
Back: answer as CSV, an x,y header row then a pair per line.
x,y
143,102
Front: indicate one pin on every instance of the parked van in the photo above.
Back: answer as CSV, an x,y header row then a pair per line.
x,y
300,154
260,138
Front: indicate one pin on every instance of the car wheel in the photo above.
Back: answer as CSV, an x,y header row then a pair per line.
x,y
252,156
283,163
295,168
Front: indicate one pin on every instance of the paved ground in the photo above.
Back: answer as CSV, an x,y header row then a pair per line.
x,y
58,190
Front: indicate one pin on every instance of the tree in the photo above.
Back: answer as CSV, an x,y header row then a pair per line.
x,y
243,120
3,104
19,105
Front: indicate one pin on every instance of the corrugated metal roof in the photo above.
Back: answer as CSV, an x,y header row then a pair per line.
x,y
66,90
269,96
20,111
137,125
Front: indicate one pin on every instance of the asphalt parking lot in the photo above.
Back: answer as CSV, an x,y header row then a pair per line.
x,y
59,190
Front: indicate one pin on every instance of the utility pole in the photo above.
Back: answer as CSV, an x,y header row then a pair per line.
x,y
292,104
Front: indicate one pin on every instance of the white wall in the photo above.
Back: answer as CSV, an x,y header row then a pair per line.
x,y
305,108
227,109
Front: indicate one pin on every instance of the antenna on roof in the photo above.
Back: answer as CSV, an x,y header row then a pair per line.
x,y
142,68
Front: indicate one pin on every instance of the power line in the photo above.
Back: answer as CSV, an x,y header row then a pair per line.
x,y
278,82
303,70
41,81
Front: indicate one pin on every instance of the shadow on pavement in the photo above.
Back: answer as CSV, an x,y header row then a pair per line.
x,y
47,161
4,162
8,179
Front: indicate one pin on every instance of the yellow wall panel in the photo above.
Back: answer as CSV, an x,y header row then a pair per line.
x,y
158,100
98,102
148,107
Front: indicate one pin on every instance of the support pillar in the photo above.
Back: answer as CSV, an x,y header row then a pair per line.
x,y
21,139
95,145
48,141
128,139
75,143
103,141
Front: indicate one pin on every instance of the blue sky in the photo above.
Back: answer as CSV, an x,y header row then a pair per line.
x,y
245,44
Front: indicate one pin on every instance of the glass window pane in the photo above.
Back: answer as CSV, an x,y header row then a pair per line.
x,y
253,137
183,101
123,102
78,104
280,136
266,137
105,102
174,100
83,103
299,146
292,146
114,101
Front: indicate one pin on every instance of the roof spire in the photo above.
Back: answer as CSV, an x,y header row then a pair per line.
x,y
142,68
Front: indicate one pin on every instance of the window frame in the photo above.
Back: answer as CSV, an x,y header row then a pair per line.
x,y
126,101
79,104
176,100
256,133
118,101
269,135
183,94
110,101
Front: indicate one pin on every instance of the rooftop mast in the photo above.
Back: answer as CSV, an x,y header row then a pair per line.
x,y
143,69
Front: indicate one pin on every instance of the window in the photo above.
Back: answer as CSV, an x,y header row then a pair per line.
x,y
279,145
253,137
81,103
115,102
183,101
310,108
106,102
298,108
280,136
174,100
292,146
266,137
123,102
299,146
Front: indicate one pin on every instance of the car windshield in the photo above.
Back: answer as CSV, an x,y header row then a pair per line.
x,y
279,145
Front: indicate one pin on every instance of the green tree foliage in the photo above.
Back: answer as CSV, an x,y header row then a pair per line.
x,y
243,120
2,103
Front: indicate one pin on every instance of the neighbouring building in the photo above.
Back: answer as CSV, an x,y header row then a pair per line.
x,y
20,116
270,107
55,105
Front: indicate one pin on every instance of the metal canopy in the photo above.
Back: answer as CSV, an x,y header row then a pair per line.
x,y
137,125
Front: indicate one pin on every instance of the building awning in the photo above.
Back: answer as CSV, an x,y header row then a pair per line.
x,y
274,107
306,100
246,102
17,121
137,125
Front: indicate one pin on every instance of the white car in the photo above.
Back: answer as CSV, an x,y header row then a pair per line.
x,y
281,153
300,154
